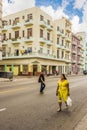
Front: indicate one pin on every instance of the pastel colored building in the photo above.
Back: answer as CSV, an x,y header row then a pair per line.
x,y
0,29
77,56
82,36
33,42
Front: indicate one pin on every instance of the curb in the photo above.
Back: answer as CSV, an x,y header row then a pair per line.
x,y
82,125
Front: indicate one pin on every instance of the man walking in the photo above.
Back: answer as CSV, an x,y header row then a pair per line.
x,y
42,81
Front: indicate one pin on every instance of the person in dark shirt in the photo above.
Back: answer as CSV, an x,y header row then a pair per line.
x,y
42,81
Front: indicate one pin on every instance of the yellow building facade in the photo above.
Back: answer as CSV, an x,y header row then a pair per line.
x,y
33,42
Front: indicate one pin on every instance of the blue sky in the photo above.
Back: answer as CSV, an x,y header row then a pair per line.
x,y
69,10
75,10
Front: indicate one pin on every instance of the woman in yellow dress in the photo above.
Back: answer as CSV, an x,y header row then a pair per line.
x,y
62,91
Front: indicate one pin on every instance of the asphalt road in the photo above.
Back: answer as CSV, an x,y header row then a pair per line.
x,y
22,107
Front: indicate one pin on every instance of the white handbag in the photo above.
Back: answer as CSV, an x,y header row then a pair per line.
x,y
69,101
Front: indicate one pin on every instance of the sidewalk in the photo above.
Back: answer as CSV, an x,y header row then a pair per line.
x,y
17,78
82,125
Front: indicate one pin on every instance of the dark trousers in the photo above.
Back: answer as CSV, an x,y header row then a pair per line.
x,y
42,87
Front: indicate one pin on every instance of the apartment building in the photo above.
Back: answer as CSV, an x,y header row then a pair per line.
x,y
76,55
85,68
62,42
0,29
32,42
82,36
81,51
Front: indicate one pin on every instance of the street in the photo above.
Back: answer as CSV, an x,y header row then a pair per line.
x,y
22,107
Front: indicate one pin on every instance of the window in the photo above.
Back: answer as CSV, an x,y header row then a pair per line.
x,y
16,34
48,51
29,16
48,36
41,33
25,69
57,53
23,33
62,56
41,18
58,28
29,49
57,40
17,20
41,50
23,17
62,42
29,32
9,35
10,22
16,52
62,31
4,36
48,22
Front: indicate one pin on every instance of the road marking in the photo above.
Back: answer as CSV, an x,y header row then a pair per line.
x,y
3,109
13,90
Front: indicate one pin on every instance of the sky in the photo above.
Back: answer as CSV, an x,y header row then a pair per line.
x,y
74,10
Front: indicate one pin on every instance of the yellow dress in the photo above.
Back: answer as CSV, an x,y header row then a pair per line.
x,y
63,90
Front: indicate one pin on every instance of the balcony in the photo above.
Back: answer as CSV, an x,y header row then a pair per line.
x,y
67,60
74,51
49,42
79,45
68,39
28,22
16,26
49,27
79,62
68,29
5,43
4,28
63,35
43,24
59,33
74,43
31,55
16,41
30,39
73,61
68,49
42,40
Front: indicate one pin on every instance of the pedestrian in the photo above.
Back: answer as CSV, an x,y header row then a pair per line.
x,y
41,80
62,91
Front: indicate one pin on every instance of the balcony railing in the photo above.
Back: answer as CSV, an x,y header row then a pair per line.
x,y
68,29
42,40
43,24
36,55
68,39
31,55
5,28
59,33
28,22
16,25
49,42
49,27
30,39
16,41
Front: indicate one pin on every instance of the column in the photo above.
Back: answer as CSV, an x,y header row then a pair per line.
x,y
5,68
12,68
30,69
47,69
50,69
21,69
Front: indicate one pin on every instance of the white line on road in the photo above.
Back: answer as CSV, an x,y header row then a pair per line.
x,y
3,109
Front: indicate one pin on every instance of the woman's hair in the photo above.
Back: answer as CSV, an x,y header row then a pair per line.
x,y
64,76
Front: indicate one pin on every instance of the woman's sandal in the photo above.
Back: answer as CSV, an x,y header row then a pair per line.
x,y
58,110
